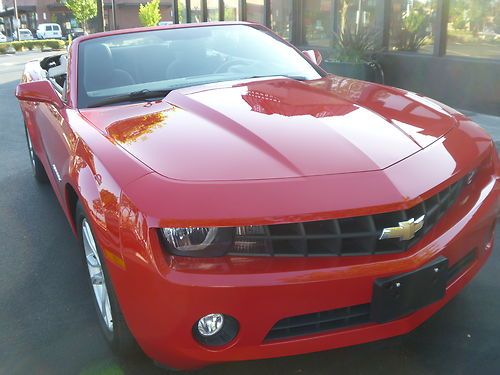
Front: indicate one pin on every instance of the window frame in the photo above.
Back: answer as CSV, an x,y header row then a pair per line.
x,y
383,19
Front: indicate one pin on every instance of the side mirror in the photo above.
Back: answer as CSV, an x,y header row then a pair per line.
x,y
314,56
38,91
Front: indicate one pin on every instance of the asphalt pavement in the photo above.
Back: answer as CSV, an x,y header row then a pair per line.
x,y
47,317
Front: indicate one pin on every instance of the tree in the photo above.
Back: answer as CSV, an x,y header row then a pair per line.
x,y
181,11
83,10
459,14
479,9
149,13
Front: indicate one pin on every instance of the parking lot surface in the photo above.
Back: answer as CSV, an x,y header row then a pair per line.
x,y
48,323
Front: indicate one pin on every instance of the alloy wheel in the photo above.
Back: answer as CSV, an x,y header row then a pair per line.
x,y
96,274
30,149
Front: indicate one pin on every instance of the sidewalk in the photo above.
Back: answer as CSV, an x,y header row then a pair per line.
x,y
490,123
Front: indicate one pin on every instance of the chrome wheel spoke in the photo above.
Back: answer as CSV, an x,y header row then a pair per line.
x,y
30,148
104,297
92,261
96,274
97,279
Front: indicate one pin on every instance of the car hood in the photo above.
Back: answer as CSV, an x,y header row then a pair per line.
x,y
274,128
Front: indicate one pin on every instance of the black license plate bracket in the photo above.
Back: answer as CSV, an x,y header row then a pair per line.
x,y
397,296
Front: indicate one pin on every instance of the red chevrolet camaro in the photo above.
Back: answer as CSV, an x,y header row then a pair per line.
x,y
234,201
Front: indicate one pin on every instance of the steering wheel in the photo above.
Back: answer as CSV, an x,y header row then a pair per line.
x,y
228,64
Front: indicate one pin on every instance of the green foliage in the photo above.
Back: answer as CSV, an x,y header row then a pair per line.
x,y
479,9
181,12
83,10
54,43
412,34
230,14
18,46
471,15
149,13
32,44
353,46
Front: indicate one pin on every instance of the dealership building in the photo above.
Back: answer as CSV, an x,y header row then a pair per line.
x,y
460,44
33,12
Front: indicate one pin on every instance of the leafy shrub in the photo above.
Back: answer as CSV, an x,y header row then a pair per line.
x,y
4,47
149,13
54,43
354,46
29,44
32,44
18,46
412,34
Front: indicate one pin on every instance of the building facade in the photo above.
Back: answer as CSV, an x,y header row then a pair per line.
x,y
33,12
446,49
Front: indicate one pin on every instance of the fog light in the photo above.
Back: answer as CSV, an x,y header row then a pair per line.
x,y
215,330
210,324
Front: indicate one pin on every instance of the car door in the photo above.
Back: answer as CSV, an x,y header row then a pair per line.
x,y
56,31
48,32
58,140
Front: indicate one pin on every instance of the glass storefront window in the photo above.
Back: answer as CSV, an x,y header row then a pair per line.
x,y
255,11
318,25
357,15
413,25
167,10
196,12
474,29
231,10
182,13
213,10
281,17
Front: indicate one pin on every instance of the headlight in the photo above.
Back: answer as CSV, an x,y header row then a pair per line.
x,y
198,241
213,241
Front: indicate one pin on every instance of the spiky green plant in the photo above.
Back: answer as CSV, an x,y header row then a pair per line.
x,y
353,46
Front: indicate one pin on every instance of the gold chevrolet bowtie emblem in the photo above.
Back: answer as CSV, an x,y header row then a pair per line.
x,y
405,231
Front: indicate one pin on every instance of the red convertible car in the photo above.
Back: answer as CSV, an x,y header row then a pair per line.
x,y
234,201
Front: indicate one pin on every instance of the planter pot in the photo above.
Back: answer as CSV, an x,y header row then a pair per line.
x,y
359,71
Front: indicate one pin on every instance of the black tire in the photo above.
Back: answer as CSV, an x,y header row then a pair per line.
x,y
119,338
36,165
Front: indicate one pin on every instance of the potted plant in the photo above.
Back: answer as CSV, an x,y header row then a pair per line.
x,y
412,33
351,54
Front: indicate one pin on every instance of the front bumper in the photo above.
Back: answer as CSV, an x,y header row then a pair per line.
x,y
162,300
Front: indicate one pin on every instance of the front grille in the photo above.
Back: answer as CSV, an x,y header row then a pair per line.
x,y
345,317
319,322
349,236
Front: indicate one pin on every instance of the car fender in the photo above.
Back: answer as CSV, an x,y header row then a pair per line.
x,y
96,187
99,194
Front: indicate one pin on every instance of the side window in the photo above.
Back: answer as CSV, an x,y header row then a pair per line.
x,y
55,27
48,28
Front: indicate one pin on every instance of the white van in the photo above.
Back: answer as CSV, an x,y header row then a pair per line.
x,y
49,31
25,34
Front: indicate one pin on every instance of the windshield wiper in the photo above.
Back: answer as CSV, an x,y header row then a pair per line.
x,y
130,97
297,78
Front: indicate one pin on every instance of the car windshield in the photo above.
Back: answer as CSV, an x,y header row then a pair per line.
x,y
163,60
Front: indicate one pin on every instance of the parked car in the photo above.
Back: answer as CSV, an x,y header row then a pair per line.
x,y
48,31
76,32
165,23
241,203
25,34
3,38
